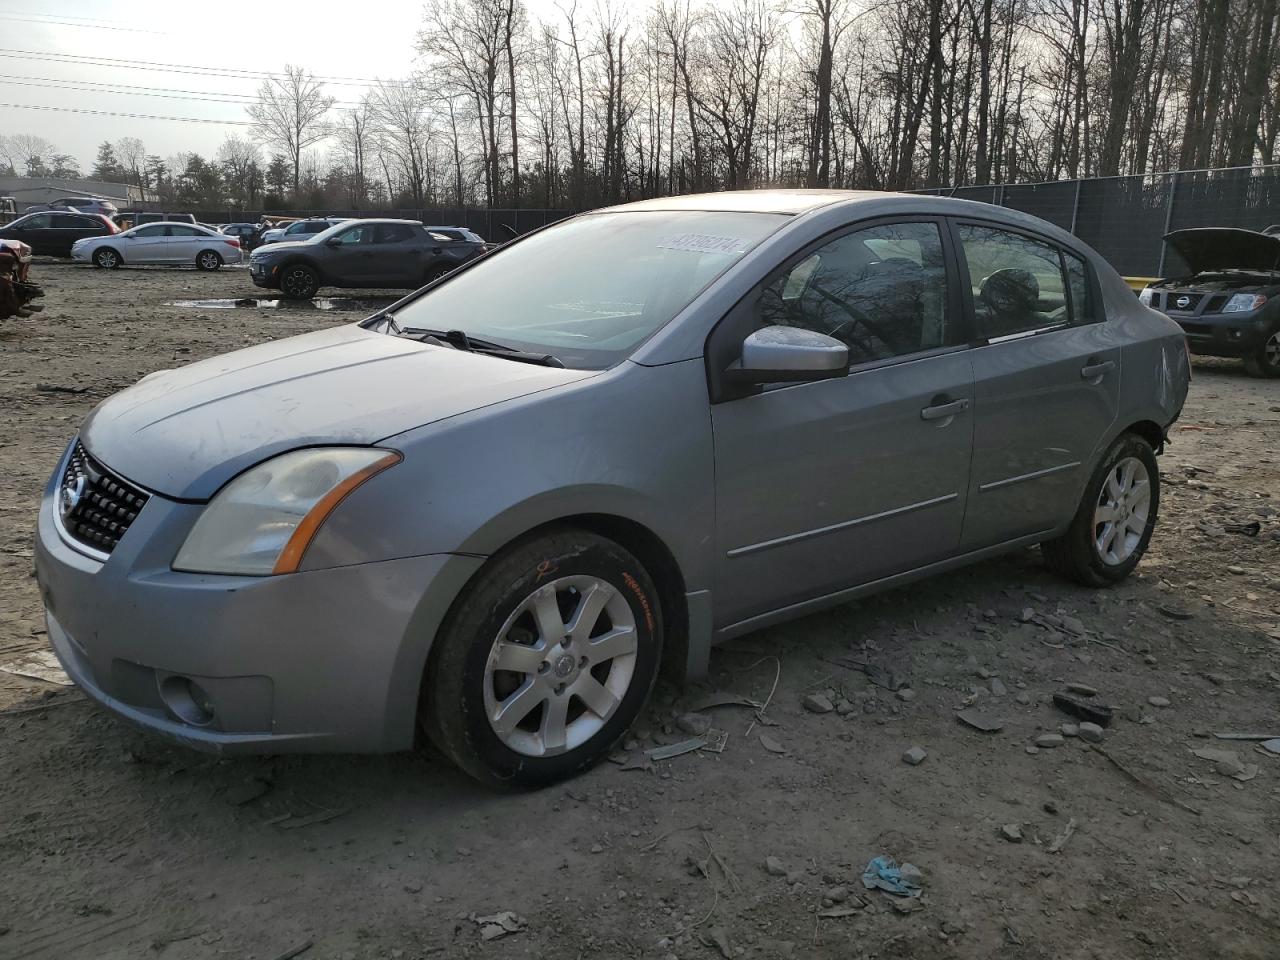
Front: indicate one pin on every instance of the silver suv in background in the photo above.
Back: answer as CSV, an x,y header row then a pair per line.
x,y
492,510
299,229
80,204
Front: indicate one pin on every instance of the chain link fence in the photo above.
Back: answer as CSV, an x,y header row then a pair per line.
x,y
1126,218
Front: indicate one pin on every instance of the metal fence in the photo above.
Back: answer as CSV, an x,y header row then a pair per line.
x,y
1125,218
488,223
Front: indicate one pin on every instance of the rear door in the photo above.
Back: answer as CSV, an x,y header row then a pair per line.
x,y
1047,380
400,253
823,486
183,243
68,228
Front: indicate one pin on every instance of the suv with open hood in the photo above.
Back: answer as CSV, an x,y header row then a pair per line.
x,y
1228,302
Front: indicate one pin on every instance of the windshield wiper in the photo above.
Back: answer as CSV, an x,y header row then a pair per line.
x,y
459,340
389,319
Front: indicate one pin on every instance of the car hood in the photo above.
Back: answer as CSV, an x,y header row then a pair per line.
x,y
184,433
1206,249
282,246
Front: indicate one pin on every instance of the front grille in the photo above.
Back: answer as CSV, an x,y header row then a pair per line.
x,y
1216,303
1173,301
95,505
1157,300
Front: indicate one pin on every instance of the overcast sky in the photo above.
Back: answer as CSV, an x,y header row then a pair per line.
x,y
360,39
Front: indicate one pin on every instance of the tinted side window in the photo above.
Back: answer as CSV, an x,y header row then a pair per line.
x,y
40,221
881,290
392,233
355,235
175,231
155,230
1082,307
315,227
70,221
1017,281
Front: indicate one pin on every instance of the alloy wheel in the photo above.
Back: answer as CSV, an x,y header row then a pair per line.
x,y
297,282
209,261
1271,350
560,666
1120,518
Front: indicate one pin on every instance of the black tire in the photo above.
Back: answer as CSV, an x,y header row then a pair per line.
x,y
208,260
108,258
437,271
453,710
298,282
1076,554
1265,361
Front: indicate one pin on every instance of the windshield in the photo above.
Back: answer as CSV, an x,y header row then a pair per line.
x,y
591,289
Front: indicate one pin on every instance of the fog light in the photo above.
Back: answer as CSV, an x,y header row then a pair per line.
x,y
187,700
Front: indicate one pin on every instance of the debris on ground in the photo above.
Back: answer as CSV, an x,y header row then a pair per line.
x,y
694,724
676,749
1083,710
980,721
498,925
774,867
915,756
1159,701
1012,832
770,744
884,873
1061,839
38,665
1091,732
1047,741
1082,689
1227,763
817,703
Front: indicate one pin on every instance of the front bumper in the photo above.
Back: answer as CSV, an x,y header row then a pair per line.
x,y
1224,334
325,660
263,275
80,255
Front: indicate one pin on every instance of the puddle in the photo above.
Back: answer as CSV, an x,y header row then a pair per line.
x,y
364,305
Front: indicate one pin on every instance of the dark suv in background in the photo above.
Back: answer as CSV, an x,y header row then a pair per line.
x,y
1228,299
364,253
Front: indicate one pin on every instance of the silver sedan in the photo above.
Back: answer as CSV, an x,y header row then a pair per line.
x,y
176,244
493,510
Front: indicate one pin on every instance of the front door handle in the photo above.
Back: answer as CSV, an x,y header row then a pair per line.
x,y
1096,371
943,411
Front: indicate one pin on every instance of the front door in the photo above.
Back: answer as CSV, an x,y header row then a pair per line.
x,y
146,244
822,486
37,232
1047,381
349,259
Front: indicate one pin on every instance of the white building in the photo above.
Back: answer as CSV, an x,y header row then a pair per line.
x,y
29,190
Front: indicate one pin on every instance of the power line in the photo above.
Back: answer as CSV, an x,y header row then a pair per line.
x,y
159,67
136,116
49,22
125,89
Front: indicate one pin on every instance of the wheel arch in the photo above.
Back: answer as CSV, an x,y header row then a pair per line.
x,y
107,246
304,261
1149,431
649,548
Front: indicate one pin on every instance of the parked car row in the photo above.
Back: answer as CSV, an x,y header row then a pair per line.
x,y
175,244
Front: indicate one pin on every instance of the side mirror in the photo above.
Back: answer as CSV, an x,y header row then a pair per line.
x,y
333,242
790,355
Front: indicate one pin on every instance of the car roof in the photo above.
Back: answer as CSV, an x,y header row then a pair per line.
x,y
754,201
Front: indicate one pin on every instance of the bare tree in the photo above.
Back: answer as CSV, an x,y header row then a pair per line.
x,y
399,110
290,115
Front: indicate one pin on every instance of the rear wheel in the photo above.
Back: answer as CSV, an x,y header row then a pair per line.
x,y
208,260
1265,362
544,661
106,258
299,282
437,271
1115,520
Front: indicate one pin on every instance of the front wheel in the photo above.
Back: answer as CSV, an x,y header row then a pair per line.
x,y
544,661
1265,362
1115,520
208,260
299,282
106,258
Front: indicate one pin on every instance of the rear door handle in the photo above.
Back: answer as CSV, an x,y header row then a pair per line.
x,y
1093,371
942,411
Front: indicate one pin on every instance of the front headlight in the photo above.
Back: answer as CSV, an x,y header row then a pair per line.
x,y
262,521
1144,297
1244,302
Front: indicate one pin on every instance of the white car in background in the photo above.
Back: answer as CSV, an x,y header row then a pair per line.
x,y
178,244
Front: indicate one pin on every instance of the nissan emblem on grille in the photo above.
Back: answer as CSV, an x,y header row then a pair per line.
x,y
95,506
1184,302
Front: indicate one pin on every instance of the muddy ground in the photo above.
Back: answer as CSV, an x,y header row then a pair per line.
x,y
115,845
